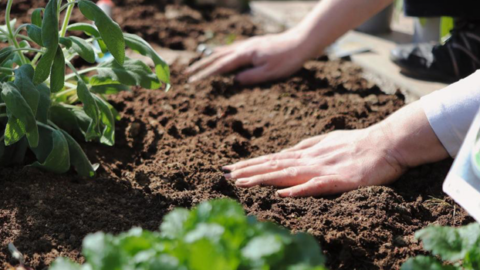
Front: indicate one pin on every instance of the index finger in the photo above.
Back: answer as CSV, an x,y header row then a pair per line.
x,y
262,159
205,62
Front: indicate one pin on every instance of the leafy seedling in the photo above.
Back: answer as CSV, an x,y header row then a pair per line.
x,y
453,248
216,235
43,107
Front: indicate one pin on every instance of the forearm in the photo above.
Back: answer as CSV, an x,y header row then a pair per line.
x,y
331,19
413,141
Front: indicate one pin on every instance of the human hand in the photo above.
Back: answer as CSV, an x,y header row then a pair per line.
x,y
272,57
333,163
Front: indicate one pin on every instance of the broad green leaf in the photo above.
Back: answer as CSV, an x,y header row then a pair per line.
x,y
78,159
472,258
211,232
14,131
83,121
20,113
449,243
83,48
50,25
57,77
84,27
37,17
101,253
136,241
206,255
24,84
426,263
64,264
173,223
133,72
50,41
57,158
107,119
164,262
65,41
44,103
263,247
35,33
110,32
139,45
5,54
91,109
66,119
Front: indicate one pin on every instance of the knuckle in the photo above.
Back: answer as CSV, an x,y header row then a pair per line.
x,y
267,158
273,164
292,172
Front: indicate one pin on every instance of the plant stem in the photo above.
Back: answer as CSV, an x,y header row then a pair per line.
x,y
45,126
59,94
28,49
25,38
35,59
83,71
4,69
67,18
67,5
51,123
10,31
76,73
20,29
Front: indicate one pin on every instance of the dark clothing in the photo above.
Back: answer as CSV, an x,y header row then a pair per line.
x,y
465,9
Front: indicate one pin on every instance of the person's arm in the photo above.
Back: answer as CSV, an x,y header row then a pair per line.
x,y
280,55
451,111
345,160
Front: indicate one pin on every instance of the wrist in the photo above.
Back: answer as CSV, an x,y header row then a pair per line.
x,y
308,47
410,137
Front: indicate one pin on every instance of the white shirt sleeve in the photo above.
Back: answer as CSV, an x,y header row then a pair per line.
x,y
451,111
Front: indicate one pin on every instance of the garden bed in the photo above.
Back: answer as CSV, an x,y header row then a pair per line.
x,y
170,148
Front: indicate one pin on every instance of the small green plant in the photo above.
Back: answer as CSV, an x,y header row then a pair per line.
x,y
41,105
454,248
216,235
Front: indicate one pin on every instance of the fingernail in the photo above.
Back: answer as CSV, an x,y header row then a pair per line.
x,y
283,193
228,176
192,79
242,182
226,170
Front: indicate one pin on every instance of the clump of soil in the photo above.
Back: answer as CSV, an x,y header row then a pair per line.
x,y
170,147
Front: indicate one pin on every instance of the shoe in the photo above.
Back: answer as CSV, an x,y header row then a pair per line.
x,y
456,58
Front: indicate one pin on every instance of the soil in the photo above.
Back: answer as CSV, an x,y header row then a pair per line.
x,y
167,23
169,151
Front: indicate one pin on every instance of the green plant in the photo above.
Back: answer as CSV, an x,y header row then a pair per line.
x,y
456,248
216,235
41,106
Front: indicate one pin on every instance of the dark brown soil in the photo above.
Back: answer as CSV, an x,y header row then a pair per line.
x,y
170,147
178,27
